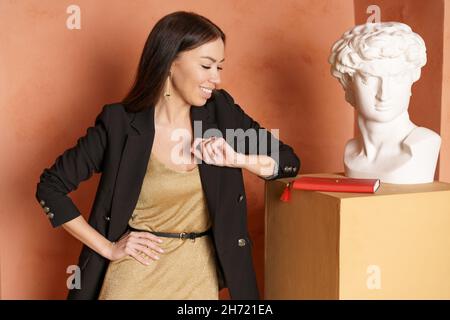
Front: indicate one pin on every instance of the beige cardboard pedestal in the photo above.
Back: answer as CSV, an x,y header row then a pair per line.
x,y
394,244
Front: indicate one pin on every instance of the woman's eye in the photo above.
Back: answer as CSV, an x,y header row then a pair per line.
x,y
208,67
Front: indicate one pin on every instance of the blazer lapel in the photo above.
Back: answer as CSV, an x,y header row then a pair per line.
x,y
209,174
134,162
132,169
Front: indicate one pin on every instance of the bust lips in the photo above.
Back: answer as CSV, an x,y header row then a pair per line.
x,y
383,108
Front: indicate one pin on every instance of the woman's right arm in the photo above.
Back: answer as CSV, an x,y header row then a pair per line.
x,y
130,244
69,169
81,230
72,167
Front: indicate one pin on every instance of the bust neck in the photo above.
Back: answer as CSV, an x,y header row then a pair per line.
x,y
384,137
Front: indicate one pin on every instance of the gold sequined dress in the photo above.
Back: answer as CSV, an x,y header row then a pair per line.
x,y
170,201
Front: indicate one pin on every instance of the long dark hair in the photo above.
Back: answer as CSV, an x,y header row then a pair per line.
x,y
174,33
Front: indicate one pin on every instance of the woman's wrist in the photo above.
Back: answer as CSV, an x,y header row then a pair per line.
x,y
262,165
107,249
240,160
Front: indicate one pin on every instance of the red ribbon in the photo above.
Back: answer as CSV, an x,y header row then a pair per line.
x,y
286,195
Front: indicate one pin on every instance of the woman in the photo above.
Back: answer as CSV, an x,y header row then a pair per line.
x,y
153,195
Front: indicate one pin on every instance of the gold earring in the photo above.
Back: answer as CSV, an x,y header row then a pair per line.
x,y
167,92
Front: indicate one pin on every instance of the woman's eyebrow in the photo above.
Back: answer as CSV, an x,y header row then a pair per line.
x,y
212,59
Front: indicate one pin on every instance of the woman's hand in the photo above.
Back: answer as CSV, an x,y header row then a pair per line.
x,y
215,151
218,152
140,245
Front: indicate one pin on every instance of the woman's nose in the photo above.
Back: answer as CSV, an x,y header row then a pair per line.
x,y
215,78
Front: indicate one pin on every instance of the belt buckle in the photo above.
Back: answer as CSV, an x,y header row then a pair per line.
x,y
183,236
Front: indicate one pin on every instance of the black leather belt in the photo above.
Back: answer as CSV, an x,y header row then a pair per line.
x,y
182,235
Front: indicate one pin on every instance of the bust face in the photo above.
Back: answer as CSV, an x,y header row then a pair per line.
x,y
382,89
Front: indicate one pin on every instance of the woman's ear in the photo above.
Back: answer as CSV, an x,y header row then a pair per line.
x,y
173,66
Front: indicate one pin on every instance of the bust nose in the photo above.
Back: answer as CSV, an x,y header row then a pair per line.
x,y
383,92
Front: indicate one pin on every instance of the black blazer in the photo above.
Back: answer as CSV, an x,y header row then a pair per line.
x,y
119,146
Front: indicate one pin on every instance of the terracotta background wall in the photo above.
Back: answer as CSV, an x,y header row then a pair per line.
x,y
444,173
54,81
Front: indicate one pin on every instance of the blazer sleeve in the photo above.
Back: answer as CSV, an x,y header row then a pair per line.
x,y
288,163
70,168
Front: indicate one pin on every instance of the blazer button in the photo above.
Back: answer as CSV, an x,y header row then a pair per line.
x,y
50,215
47,209
241,242
240,198
294,169
107,218
287,169
42,202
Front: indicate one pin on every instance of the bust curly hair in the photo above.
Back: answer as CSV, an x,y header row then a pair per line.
x,y
372,41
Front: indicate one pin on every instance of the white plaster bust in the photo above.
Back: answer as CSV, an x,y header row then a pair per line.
x,y
377,63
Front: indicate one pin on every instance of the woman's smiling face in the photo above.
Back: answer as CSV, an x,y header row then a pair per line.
x,y
195,73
